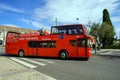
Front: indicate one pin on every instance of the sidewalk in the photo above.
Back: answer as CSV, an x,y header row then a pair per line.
x,y
109,52
10,70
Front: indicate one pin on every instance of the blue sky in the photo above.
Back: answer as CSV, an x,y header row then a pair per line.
x,y
36,14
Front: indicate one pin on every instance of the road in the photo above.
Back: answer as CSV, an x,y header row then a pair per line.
x,y
96,68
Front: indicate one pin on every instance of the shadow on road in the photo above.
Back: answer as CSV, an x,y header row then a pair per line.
x,y
109,56
56,58
7,55
50,58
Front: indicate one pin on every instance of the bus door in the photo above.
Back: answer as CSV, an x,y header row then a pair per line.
x,y
32,48
81,47
74,48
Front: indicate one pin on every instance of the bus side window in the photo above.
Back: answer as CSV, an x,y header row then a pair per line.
x,y
47,44
81,43
73,42
32,44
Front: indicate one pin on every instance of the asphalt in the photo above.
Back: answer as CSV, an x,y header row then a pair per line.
x,y
97,68
101,66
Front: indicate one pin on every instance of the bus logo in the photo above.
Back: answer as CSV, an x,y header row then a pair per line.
x,y
61,36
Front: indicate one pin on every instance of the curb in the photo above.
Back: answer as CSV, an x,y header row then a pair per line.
x,y
106,54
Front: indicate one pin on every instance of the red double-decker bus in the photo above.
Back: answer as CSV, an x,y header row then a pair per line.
x,y
64,41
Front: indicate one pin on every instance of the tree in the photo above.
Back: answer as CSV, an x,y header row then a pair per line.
x,y
95,32
106,17
107,30
95,28
106,34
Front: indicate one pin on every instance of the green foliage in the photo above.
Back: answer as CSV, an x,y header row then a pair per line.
x,y
106,17
104,32
107,30
107,34
112,46
95,30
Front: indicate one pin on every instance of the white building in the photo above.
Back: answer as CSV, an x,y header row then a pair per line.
x,y
5,29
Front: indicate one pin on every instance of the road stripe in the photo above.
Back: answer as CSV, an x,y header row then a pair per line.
x,y
35,62
45,61
24,63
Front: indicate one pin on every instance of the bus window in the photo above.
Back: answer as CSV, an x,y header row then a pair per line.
x,y
73,42
62,30
88,43
69,29
54,30
47,44
32,44
75,30
81,42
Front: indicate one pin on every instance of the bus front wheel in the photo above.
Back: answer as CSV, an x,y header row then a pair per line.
x,y
21,53
63,55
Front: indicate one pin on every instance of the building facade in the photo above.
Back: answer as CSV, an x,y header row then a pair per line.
x,y
5,29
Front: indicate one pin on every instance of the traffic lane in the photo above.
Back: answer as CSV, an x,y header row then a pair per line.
x,y
96,68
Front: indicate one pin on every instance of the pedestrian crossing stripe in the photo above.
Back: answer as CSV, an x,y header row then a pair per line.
x,y
35,62
31,63
23,63
45,60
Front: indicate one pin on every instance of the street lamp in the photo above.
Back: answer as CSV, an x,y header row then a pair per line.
x,y
56,21
77,20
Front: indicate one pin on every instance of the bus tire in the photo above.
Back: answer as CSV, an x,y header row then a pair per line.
x,y
63,55
21,53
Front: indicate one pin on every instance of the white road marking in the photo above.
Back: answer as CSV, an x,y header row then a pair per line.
x,y
45,60
35,62
24,63
46,77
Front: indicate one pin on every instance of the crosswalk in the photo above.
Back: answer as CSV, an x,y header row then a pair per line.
x,y
31,63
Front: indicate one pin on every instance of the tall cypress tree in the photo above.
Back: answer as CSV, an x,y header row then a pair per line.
x,y
108,29
106,17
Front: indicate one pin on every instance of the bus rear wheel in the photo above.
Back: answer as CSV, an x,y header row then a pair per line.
x,y
63,55
21,53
